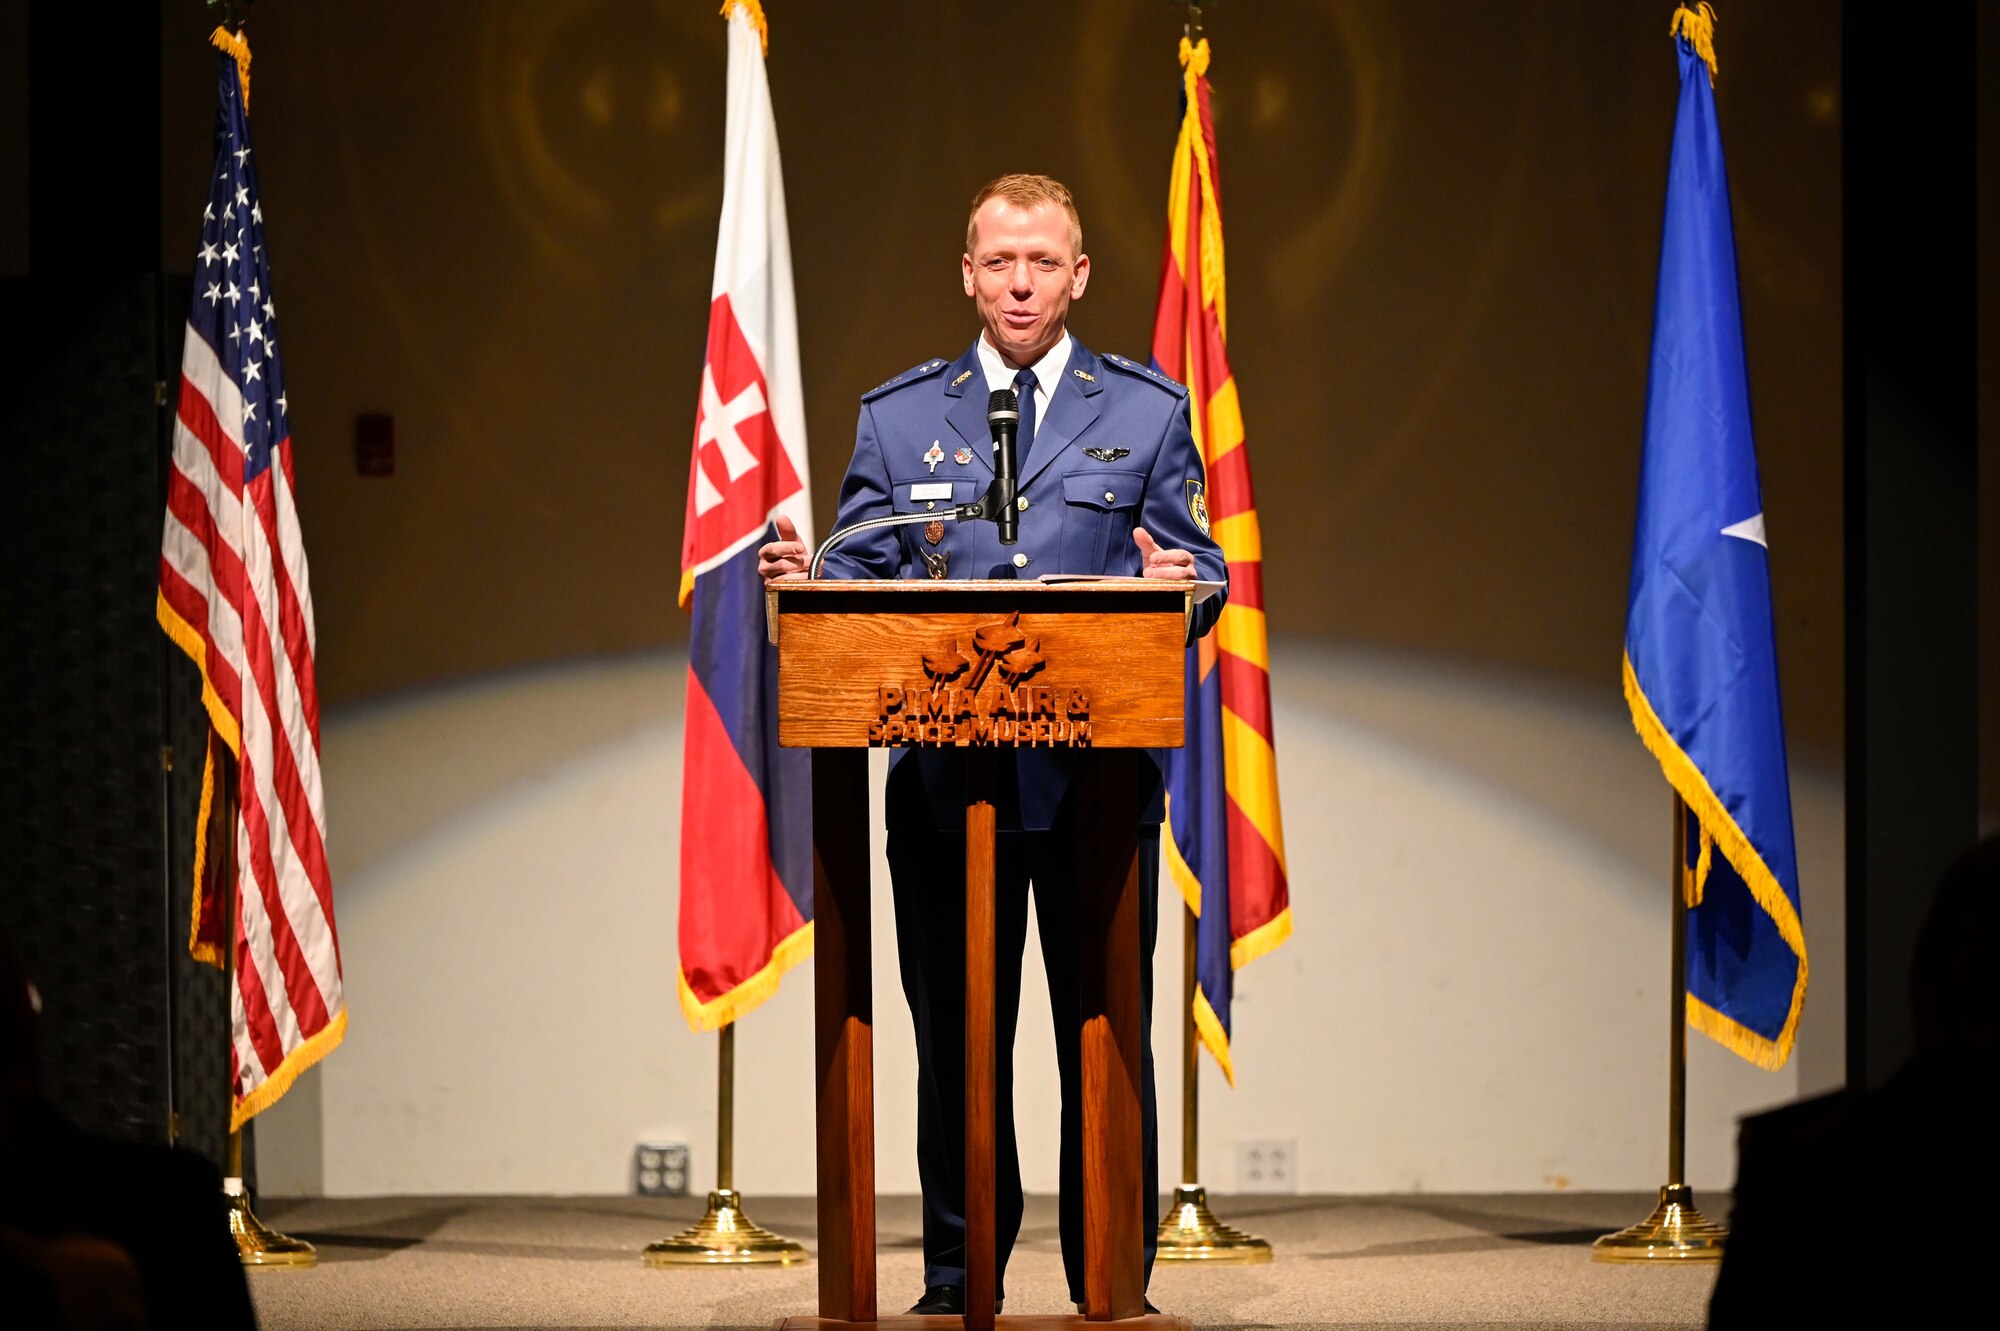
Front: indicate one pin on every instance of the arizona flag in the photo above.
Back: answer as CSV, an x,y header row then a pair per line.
x,y
746,822
1701,666
1226,842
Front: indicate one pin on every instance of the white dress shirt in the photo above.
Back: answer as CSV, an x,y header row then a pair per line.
x,y
1048,373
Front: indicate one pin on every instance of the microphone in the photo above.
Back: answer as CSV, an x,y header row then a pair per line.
x,y
1003,417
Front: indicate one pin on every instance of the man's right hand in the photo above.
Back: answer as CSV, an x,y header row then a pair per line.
x,y
783,560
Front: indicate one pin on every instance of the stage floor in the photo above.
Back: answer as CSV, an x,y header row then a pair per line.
x,y
1429,1261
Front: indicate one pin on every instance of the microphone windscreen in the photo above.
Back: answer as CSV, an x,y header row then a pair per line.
x,y
1001,401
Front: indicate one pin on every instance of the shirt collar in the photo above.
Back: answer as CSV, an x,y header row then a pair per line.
x,y
1048,370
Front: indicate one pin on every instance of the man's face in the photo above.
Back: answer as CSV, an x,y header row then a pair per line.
x,y
1022,274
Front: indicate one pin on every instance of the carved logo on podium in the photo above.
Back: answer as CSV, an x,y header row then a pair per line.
x,y
993,696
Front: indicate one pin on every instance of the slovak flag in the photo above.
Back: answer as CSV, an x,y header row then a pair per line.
x,y
746,813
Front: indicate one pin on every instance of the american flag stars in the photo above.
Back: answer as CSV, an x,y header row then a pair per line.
x,y
238,316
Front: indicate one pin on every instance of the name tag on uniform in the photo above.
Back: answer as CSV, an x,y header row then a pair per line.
x,y
934,490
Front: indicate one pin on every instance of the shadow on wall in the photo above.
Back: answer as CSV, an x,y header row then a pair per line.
x,y
1477,864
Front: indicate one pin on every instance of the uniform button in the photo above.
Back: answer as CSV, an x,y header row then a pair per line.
x,y
1020,561
930,506
1021,502
1108,496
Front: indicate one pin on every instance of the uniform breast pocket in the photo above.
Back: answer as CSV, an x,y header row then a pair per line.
x,y
1100,508
937,495
933,494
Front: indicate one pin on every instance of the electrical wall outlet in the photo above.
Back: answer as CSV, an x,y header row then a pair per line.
x,y
660,1169
1267,1166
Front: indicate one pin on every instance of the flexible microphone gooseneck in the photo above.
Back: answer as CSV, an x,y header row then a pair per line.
x,y
997,506
1003,418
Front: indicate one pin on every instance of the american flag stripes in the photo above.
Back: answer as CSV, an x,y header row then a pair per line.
x,y
746,831
1226,842
234,595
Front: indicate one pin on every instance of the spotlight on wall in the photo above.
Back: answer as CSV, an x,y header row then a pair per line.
x,y
660,1169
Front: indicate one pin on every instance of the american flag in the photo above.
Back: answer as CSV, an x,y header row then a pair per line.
x,y
234,595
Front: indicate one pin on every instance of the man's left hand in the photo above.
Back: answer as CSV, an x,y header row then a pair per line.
x,y
1165,565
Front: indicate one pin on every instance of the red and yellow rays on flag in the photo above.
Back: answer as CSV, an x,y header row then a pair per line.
x,y
1226,848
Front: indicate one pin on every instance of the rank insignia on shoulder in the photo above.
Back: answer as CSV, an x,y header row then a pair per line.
x,y
908,376
1197,500
1107,454
1131,366
1085,375
961,379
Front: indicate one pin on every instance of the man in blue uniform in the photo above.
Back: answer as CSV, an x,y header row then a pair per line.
x,y
1111,483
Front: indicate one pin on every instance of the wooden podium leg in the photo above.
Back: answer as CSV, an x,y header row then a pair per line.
x,y
843,1035
1108,963
981,1152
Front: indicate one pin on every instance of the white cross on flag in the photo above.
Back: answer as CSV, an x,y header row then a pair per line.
x,y
746,835
750,429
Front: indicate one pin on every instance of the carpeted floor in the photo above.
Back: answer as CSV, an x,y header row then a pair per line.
x,y
1378,1262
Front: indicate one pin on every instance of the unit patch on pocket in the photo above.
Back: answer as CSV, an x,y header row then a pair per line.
x,y
1198,505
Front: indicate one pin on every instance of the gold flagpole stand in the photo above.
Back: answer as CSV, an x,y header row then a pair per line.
x,y
725,1236
1675,1231
1190,1232
256,1242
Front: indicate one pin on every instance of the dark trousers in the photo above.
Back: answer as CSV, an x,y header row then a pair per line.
x,y
927,873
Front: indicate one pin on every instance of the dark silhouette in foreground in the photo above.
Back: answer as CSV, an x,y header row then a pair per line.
x,y
1862,1200
97,1234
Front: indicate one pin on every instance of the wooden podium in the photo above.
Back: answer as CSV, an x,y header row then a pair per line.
x,y
981,667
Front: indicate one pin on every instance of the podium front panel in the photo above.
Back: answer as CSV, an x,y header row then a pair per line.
x,y
994,665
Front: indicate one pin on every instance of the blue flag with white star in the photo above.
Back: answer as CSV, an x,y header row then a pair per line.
x,y
1701,667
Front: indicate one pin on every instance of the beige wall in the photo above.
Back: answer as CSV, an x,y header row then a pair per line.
x,y
1475,997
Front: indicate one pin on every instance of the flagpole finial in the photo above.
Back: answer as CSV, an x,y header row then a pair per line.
x,y
1697,25
754,11
235,45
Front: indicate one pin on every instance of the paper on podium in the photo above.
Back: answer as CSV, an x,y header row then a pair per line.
x,y
1202,590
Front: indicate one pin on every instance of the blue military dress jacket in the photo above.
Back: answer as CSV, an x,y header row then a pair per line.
x,y
1112,451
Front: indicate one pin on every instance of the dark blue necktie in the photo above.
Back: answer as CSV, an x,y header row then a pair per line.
x,y
1024,389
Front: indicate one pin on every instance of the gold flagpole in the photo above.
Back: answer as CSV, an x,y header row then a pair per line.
x,y
725,1236
256,1242
1675,1231
1190,1232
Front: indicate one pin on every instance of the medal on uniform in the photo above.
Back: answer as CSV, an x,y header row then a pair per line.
x,y
962,456
934,561
935,456
934,531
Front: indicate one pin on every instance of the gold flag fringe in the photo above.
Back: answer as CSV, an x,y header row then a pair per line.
x,y
236,46
1698,26
725,1008
754,11
273,1087
1719,831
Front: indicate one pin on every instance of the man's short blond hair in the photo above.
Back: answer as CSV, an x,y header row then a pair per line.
x,y
1024,190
